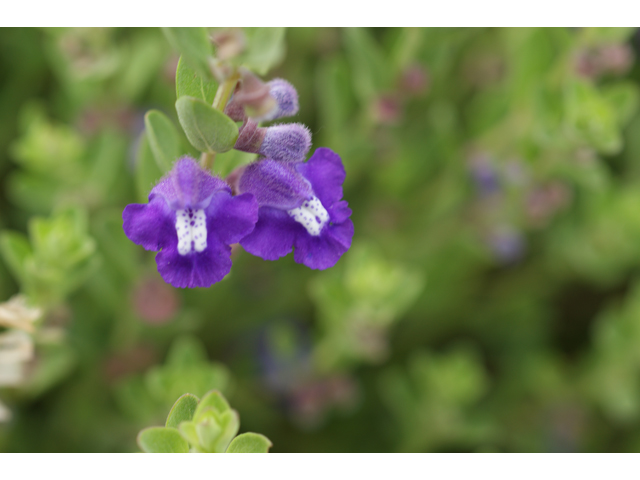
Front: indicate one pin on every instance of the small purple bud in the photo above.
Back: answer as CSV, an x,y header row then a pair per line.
x,y
288,142
254,95
286,103
286,100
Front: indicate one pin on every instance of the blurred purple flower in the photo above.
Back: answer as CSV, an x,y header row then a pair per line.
x,y
193,219
507,245
484,175
301,207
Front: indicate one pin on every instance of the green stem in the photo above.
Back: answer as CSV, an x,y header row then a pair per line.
x,y
223,94
206,160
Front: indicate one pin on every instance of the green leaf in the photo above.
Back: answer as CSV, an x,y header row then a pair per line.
x,y
15,250
208,129
164,139
265,48
147,171
162,440
190,83
194,45
182,410
189,433
250,443
213,399
209,432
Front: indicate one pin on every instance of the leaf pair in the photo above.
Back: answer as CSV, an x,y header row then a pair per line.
x,y
208,425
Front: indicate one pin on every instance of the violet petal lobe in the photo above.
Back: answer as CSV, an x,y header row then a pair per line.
x,y
198,269
149,225
323,251
273,236
326,173
231,218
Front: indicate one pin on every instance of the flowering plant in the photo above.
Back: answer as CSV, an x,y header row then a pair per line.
x,y
278,202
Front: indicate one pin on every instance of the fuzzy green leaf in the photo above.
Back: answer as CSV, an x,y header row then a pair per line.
x,y
214,400
162,440
164,139
182,410
208,129
250,443
190,83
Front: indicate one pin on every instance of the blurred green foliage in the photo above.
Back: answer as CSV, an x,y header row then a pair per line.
x,y
490,301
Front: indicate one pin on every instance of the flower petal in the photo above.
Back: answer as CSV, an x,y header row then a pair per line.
x,y
273,236
326,173
195,269
275,184
188,185
339,212
150,225
231,218
323,251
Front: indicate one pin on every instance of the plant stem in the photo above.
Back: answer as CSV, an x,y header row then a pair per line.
x,y
206,160
225,89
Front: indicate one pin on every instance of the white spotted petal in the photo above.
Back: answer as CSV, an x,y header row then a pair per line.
x,y
191,228
311,215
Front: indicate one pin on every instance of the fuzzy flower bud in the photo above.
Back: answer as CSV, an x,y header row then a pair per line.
x,y
286,98
286,142
254,95
286,103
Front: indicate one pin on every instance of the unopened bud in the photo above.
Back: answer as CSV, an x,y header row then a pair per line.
x,y
286,98
286,103
289,142
254,95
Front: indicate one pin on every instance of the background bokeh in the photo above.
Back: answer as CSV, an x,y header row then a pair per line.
x,y
490,300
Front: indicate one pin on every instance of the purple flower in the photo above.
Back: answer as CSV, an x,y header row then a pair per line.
x,y
301,207
192,219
